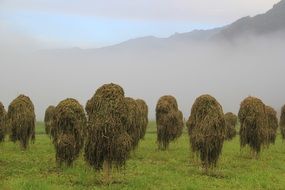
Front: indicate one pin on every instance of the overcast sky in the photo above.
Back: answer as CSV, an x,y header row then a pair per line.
x,y
94,23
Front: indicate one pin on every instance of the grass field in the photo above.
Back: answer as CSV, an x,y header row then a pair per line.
x,y
146,169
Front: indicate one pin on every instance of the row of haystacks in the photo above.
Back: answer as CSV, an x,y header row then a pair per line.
x,y
21,121
231,122
206,129
169,121
3,128
69,125
282,122
115,125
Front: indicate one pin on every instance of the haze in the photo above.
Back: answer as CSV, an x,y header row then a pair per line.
x,y
49,69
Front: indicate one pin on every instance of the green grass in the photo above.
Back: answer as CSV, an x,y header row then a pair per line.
x,y
147,168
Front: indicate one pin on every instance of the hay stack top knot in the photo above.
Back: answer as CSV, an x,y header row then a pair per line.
x,y
251,107
70,110
206,119
108,96
206,105
21,104
110,91
20,110
166,104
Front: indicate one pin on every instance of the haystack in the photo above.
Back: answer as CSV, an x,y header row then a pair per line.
x,y
272,124
169,121
69,125
3,129
108,143
254,124
143,120
282,122
206,129
231,121
21,121
133,124
49,116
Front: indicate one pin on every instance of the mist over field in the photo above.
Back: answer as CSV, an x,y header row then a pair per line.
x,y
147,68
229,72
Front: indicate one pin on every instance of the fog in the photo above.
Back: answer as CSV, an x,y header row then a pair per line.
x,y
229,71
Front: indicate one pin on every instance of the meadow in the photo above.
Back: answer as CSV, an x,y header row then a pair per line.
x,y
147,168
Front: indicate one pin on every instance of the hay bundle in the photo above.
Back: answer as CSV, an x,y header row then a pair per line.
x,y
272,124
169,121
206,129
3,129
282,122
49,116
143,111
254,124
69,125
21,121
108,142
133,124
231,121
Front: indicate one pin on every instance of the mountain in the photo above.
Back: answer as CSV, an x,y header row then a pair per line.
x,y
196,35
270,23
